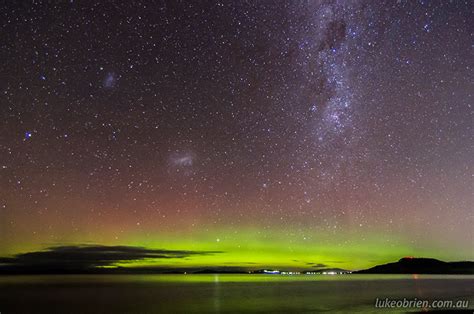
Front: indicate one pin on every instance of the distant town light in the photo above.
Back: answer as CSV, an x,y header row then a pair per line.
x,y
266,271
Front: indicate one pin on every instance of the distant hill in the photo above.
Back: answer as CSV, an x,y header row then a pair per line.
x,y
421,266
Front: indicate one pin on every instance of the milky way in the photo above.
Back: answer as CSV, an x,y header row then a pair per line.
x,y
285,133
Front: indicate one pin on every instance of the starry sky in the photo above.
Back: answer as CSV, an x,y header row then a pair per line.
x,y
273,133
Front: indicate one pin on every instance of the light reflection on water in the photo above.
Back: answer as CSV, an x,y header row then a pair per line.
x,y
221,293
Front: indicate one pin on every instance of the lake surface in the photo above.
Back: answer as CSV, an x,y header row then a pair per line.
x,y
223,293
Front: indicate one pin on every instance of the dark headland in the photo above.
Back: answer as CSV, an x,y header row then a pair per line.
x,y
409,265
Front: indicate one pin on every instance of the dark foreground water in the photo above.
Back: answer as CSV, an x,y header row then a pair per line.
x,y
223,293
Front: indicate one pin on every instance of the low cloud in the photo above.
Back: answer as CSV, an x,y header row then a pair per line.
x,y
317,265
88,257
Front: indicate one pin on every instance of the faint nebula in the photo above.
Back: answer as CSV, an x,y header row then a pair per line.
x,y
110,80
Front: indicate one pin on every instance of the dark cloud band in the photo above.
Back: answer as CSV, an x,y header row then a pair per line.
x,y
89,257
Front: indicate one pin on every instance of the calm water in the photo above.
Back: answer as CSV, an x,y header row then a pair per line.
x,y
221,293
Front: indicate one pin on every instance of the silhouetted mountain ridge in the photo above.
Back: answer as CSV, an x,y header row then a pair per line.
x,y
409,265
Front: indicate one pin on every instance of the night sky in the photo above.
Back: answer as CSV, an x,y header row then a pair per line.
x,y
273,133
